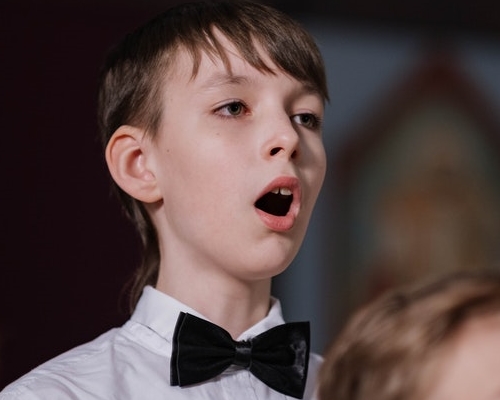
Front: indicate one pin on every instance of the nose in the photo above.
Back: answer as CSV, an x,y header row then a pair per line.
x,y
283,140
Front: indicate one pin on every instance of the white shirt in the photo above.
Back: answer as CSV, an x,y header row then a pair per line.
x,y
133,362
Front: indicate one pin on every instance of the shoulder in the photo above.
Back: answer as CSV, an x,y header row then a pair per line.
x,y
61,376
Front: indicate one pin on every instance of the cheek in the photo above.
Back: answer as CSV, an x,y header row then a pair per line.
x,y
322,167
205,180
316,165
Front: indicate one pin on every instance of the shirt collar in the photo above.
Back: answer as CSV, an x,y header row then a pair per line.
x,y
159,312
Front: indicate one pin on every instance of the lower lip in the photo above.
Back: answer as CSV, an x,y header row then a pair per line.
x,y
277,223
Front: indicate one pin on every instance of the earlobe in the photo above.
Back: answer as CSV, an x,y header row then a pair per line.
x,y
126,159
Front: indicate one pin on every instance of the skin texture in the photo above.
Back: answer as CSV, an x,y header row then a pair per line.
x,y
472,363
225,139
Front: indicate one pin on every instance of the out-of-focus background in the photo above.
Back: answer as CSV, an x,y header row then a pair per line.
x,y
413,187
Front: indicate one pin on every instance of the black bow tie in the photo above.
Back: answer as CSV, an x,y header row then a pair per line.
x,y
278,357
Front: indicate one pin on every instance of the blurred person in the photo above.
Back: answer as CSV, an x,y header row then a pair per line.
x,y
437,340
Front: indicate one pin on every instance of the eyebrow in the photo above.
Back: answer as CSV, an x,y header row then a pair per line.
x,y
309,88
224,79
228,79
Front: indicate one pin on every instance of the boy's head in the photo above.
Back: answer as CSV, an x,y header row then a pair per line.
x,y
137,72
419,343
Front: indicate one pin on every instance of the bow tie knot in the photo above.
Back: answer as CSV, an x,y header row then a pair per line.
x,y
243,353
278,357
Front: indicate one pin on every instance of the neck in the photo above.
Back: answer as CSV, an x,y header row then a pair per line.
x,y
233,304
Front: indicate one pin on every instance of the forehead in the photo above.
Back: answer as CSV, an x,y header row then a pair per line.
x,y
222,54
472,362
225,65
224,59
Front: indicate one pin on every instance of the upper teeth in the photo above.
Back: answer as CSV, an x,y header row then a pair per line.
x,y
282,190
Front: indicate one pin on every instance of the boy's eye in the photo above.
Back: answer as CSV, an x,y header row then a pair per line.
x,y
233,109
308,120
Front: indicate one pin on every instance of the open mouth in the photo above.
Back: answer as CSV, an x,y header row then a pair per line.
x,y
276,202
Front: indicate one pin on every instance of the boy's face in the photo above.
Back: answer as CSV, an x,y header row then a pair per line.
x,y
225,143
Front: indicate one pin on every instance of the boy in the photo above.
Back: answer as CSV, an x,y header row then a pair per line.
x,y
211,120
437,341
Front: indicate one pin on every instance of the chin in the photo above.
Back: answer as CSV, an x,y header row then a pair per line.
x,y
271,267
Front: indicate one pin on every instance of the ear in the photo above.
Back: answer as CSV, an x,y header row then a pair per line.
x,y
126,157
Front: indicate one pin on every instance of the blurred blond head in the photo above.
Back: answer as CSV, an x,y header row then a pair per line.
x,y
420,342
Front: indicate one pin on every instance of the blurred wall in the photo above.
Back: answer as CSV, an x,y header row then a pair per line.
x,y
67,251
368,66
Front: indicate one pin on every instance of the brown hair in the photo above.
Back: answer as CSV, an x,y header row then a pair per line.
x,y
134,71
386,350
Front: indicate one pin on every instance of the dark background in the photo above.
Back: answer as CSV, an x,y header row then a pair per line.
x,y
66,250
